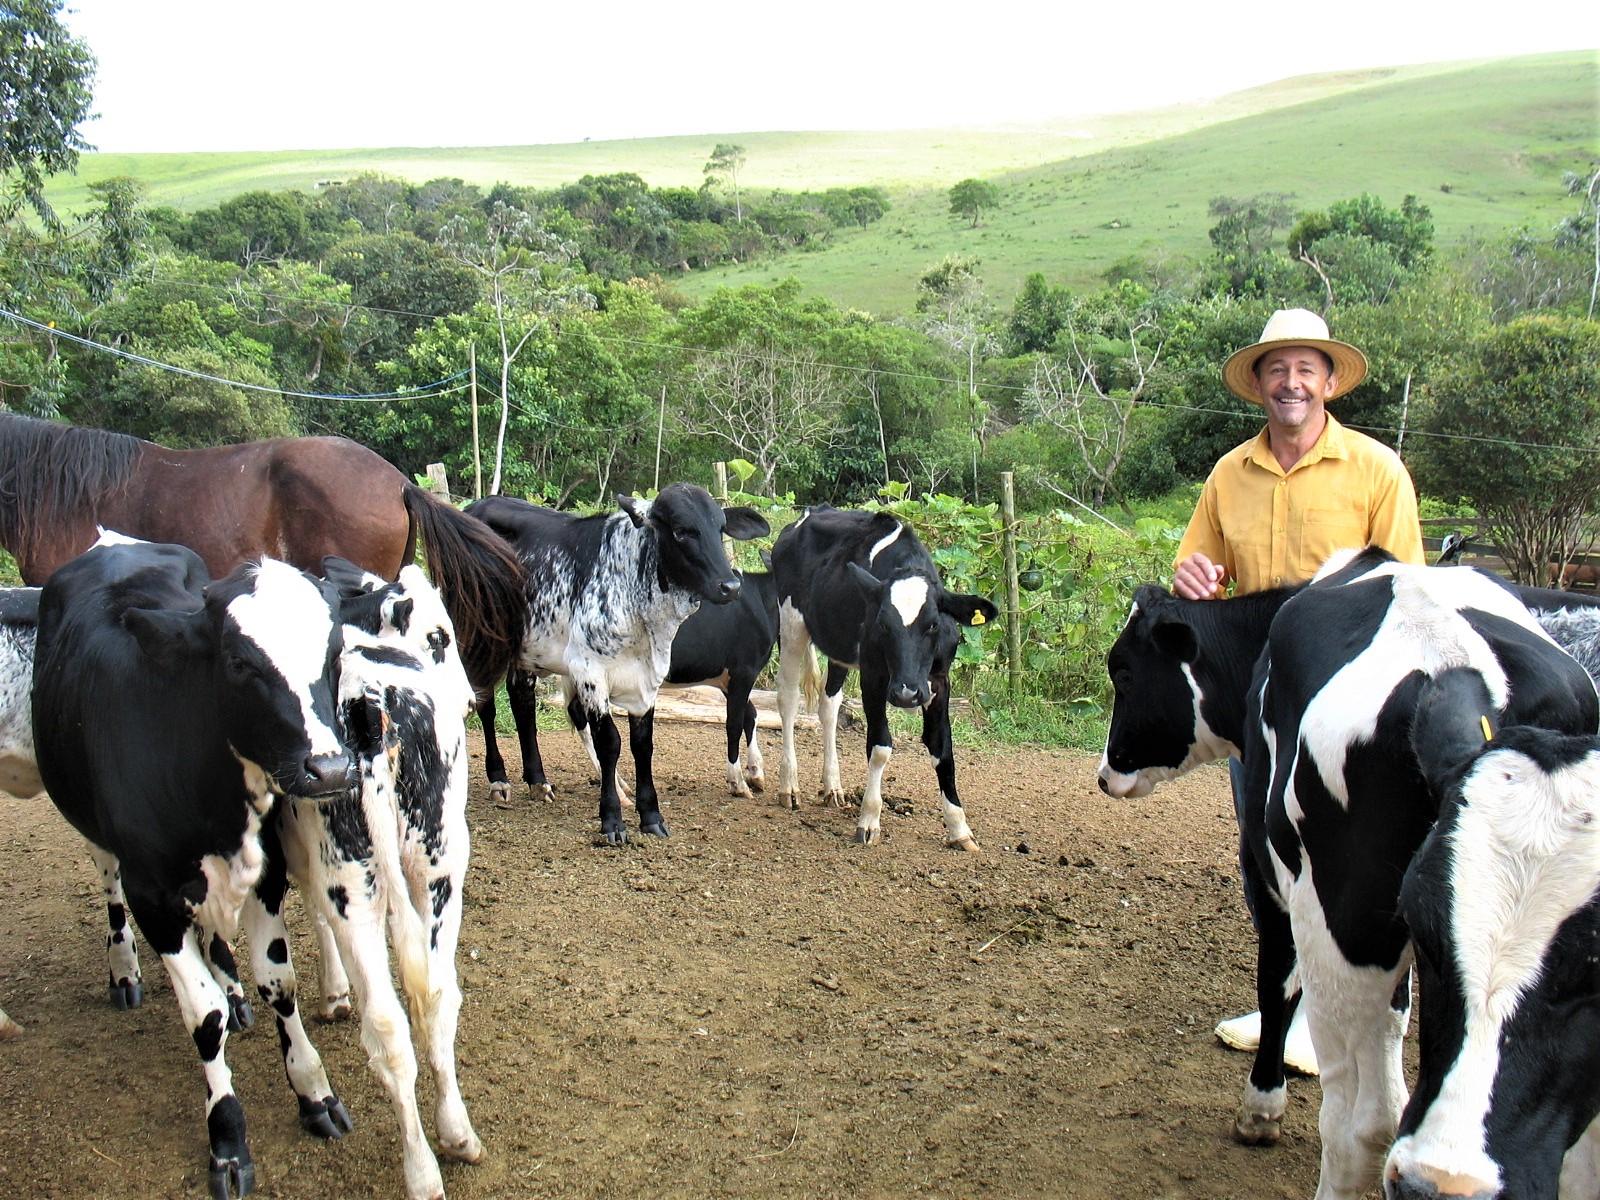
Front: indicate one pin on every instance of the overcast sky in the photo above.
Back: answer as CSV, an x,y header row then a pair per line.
x,y
328,74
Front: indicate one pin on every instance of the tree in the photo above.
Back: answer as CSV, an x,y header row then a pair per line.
x,y
1090,387
725,163
956,312
971,198
527,275
1514,431
1244,251
46,79
1583,227
1362,252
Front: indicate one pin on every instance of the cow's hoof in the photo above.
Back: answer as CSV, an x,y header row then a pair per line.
x,y
232,1179
544,793
126,995
468,1149
868,837
756,782
740,789
499,791
614,837
655,829
8,1028
336,1008
1256,1129
789,800
964,843
834,798
240,1016
325,1118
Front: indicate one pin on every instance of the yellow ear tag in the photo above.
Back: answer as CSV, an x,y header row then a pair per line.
x,y
977,618
1488,734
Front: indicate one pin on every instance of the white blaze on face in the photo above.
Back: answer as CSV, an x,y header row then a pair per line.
x,y
908,597
288,618
881,544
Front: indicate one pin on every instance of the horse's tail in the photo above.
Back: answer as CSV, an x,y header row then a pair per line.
x,y
482,583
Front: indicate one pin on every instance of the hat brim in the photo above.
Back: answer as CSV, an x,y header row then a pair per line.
x,y
1349,366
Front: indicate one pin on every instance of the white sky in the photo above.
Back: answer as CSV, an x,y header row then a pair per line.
x,y
181,75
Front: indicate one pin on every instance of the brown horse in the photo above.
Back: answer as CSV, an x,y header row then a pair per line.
x,y
296,499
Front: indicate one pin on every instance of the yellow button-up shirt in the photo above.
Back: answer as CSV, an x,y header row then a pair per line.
x,y
1269,527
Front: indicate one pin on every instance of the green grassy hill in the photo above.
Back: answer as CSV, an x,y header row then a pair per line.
x,y
1078,194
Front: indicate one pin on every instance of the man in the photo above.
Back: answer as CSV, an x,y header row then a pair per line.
x,y
1274,508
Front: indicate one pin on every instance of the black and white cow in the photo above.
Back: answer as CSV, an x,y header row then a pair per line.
x,y
393,856
1503,906
1335,804
170,714
865,591
19,771
606,596
729,645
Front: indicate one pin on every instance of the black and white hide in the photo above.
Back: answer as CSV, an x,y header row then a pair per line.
x,y
606,597
19,771
862,589
170,714
1503,905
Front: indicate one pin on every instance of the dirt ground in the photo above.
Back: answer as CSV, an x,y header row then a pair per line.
x,y
755,1008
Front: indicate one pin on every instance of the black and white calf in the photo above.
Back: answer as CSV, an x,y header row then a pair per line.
x,y
865,591
606,596
170,714
1503,905
1334,804
729,645
19,771
393,856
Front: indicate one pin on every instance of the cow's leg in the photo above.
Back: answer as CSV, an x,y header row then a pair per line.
x,y
204,1007
794,665
8,1028
880,749
608,745
225,970
322,1113
580,726
494,766
385,1031
522,691
330,963
1259,1121
641,744
936,738
126,985
741,721
438,892
828,718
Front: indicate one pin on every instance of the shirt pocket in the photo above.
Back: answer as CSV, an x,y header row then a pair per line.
x,y
1326,530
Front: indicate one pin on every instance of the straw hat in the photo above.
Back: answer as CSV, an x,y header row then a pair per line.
x,y
1294,327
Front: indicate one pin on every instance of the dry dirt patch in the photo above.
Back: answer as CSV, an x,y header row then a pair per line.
x,y
755,1008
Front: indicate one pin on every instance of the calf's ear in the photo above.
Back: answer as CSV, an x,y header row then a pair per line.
x,y
742,524
638,510
168,637
1454,719
870,586
1175,638
967,610
345,575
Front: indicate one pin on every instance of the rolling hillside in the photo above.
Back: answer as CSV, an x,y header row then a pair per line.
x,y
1483,144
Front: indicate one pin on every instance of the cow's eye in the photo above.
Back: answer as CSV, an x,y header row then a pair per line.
x,y
236,666
686,535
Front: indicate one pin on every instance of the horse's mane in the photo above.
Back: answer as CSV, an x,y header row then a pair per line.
x,y
53,476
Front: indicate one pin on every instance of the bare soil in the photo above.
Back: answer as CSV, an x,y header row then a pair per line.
x,y
755,1008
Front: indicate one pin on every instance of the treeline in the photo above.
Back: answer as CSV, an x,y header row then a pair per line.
x,y
593,373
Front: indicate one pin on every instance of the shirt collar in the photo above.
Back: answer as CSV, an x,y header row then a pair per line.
x,y
1331,444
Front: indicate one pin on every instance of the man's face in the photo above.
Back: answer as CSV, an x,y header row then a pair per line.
x,y
1294,383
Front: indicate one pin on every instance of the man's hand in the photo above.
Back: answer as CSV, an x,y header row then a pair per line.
x,y
1197,578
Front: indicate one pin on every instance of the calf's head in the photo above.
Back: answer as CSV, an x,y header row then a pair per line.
x,y
269,638
1156,731
1503,904
915,625
689,526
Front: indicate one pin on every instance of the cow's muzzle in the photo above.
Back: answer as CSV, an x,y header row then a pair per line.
x,y
903,695
326,775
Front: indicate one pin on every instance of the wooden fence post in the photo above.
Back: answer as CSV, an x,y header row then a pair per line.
x,y
438,481
1008,539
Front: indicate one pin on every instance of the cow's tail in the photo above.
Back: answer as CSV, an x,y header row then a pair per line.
x,y
481,580
811,680
380,805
